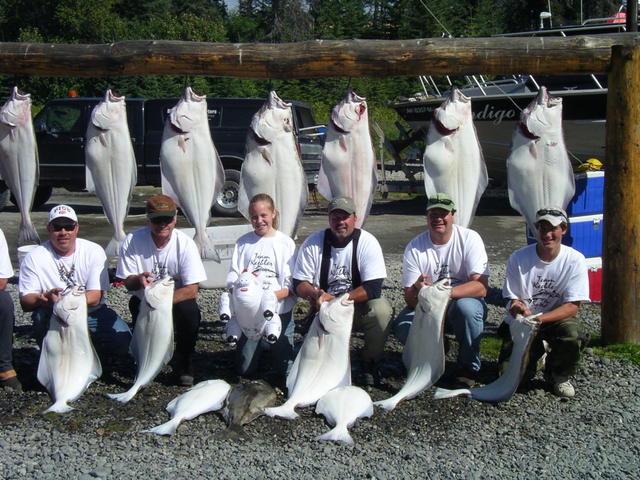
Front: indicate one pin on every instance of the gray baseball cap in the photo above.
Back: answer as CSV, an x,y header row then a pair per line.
x,y
342,203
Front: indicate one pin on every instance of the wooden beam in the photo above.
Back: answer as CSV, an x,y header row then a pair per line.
x,y
621,254
317,58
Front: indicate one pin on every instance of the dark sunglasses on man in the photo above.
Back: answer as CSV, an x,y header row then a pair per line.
x,y
68,227
161,220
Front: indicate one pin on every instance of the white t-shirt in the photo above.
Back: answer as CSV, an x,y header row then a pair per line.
x,y
544,286
270,258
6,269
370,262
43,269
178,259
462,256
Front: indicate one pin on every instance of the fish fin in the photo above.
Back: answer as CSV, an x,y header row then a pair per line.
x,y
167,428
283,411
88,180
167,188
324,187
27,234
441,393
125,396
337,434
206,247
113,248
266,154
58,407
342,142
235,433
182,143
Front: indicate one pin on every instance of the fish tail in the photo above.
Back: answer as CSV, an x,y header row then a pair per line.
x,y
441,393
338,434
58,407
206,247
27,233
113,248
125,396
283,411
167,428
389,403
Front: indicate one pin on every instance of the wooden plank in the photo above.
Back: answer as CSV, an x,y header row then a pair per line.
x,y
317,58
621,251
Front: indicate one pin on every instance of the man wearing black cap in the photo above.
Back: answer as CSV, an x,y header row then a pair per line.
x,y
551,279
156,251
447,250
344,259
63,262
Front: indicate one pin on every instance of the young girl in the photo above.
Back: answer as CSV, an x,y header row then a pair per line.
x,y
269,255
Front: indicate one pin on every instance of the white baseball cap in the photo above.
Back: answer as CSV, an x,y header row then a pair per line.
x,y
554,215
62,211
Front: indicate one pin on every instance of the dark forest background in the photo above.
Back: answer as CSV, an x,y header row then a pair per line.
x,y
277,21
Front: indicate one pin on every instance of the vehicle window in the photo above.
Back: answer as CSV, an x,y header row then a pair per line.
x,y
304,118
237,116
61,119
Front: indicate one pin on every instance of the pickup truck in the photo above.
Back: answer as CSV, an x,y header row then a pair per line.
x,y
61,126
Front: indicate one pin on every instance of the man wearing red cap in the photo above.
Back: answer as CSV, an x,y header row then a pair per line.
x,y
156,251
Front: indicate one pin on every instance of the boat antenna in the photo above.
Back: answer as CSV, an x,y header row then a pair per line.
x,y
436,19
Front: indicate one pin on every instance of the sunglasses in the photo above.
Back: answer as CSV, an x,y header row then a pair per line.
x,y
68,227
444,201
159,220
555,213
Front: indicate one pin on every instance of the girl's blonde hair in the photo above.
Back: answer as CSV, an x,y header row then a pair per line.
x,y
266,198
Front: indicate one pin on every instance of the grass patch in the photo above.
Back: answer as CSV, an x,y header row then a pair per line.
x,y
490,346
617,350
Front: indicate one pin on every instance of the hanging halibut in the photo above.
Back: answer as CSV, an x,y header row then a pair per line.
x,y
323,361
19,166
192,173
523,331
111,170
207,396
348,165
272,165
342,407
68,362
453,161
423,353
152,342
538,169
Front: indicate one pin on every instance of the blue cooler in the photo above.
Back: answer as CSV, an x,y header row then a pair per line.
x,y
589,196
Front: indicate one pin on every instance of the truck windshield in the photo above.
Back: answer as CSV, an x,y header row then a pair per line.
x,y
60,119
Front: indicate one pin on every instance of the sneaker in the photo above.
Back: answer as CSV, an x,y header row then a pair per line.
x,y
184,371
562,387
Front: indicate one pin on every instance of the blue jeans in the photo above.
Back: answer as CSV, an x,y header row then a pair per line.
x,y
6,331
248,352
109,333
465,319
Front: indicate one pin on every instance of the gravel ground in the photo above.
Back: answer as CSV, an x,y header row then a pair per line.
x,y
535,434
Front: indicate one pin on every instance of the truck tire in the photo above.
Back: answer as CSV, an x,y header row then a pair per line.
x,y
226,204
43,193
4,195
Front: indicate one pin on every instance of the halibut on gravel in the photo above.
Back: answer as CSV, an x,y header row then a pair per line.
x,y
323,361
111,170
245,403
152,341
19,167
342,407
207,396
68,362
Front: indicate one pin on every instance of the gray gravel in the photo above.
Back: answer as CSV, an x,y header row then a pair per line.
x,y
533,435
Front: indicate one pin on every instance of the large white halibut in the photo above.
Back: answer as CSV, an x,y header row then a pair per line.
x,y
152,342
342,407
203,397
423,353
453,161
272,165
523,330
68,362
111,170
192,173
538,169
323,361
348,165
19,167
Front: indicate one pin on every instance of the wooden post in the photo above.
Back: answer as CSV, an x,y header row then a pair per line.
x,y
621,262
